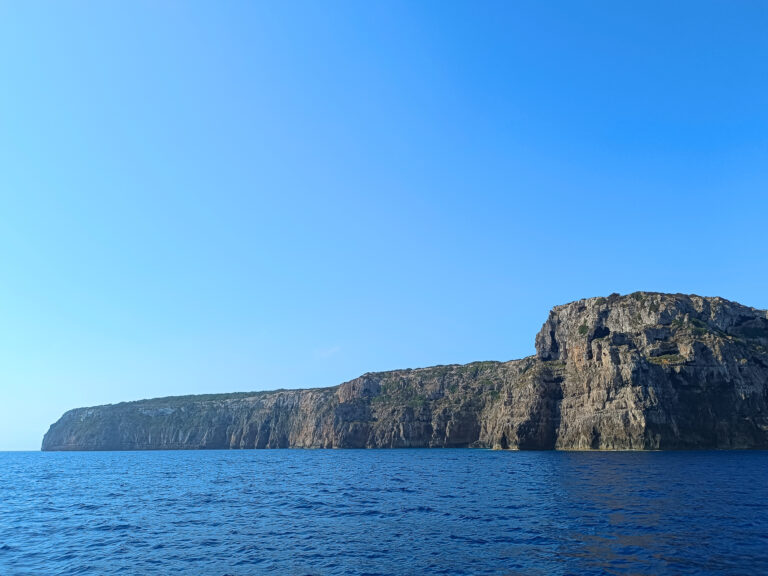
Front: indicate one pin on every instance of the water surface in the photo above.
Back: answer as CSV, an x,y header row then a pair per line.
x,y
383,512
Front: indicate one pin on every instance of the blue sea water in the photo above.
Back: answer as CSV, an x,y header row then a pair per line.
x,y
383,512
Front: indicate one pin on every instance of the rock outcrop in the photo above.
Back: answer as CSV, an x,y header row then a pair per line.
x,y
636,372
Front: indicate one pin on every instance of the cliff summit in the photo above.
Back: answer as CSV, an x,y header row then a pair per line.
x,y
636,372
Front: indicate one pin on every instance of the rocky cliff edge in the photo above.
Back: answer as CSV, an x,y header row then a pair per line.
x,y
635,372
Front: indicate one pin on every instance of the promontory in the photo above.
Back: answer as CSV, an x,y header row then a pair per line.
x,y
644,371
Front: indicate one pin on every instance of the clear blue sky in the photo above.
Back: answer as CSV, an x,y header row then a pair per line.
x,y
205,196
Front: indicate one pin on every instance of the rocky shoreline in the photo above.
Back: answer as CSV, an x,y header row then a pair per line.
x,y
645,371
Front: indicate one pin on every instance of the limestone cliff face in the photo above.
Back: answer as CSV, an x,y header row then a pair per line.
x,y
643,371
659,371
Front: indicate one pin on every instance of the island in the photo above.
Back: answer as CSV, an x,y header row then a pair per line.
x,y
644,371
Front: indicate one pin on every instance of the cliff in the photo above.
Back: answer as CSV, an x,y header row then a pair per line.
x,y
643,371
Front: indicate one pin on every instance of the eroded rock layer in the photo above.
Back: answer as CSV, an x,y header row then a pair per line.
x,y
643,371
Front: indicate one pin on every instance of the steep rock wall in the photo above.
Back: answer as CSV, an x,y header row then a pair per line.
x,y
643,371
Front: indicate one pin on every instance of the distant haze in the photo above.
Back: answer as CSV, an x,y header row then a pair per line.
x,y
200,197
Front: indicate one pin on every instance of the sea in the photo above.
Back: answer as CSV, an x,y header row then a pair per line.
x,y
383,512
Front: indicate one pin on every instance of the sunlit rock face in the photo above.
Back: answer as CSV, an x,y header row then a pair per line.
x,y
659,371
637,372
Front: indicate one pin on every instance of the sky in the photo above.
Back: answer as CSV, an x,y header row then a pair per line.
x,y
208,197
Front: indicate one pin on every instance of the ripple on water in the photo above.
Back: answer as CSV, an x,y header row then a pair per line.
x,y
383,512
